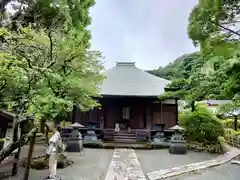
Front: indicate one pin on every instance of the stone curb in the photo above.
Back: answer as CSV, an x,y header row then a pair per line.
x,y
166,173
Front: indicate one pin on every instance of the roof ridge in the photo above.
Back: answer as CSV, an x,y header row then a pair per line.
x,y
128,64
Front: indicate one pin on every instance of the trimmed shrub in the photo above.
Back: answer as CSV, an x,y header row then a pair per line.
x,y
202,126
229,123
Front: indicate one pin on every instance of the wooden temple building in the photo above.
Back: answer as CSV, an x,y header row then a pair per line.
x,y
130,99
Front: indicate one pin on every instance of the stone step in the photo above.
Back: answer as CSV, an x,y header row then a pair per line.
x,y
124,140
124,136
121,132
136,145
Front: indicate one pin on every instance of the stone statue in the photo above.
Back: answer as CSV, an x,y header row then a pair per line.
x,y
117,129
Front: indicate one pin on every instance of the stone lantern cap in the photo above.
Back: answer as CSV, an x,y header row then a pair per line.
x,y
176,128
76,125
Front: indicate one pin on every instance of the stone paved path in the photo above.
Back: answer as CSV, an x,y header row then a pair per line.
x,y
125,166
166,173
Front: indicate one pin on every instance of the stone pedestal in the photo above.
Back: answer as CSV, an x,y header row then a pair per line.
x,y
177,144
75,142
159,140
90,136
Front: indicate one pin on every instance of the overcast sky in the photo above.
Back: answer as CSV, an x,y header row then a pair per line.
x,y
150,32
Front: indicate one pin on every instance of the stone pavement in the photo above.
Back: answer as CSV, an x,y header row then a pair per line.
x,y
166,173
125,166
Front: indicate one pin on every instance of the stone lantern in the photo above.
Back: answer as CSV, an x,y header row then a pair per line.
x,y
177,142
75,140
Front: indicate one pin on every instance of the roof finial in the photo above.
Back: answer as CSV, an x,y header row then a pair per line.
x,y
126,64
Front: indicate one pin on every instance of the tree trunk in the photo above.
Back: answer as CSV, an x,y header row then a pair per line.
x,y
29,159
46,133
14,145
16,156
42,126
193,106
235,123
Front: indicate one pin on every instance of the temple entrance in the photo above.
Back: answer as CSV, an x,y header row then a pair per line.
x,y
124,121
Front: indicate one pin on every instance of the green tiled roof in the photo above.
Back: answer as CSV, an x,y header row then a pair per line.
x,y
125,79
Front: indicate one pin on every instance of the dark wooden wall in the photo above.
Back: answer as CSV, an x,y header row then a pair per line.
x,y
144,113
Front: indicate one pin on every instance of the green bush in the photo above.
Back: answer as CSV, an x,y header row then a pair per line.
x,y
202,126
231,132
229,123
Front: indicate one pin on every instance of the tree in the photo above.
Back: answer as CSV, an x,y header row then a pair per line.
x,y
182,67
46,75
46,71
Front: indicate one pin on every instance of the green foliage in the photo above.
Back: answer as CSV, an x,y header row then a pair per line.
x,y
214,72
199,29
229,123
47,74
46,67
230,109
182,67
229,132
201,125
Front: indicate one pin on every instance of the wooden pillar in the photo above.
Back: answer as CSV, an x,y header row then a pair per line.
x,y
176,103
161,111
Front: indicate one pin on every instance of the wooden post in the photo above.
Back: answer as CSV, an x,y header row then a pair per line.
x,y
29,159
